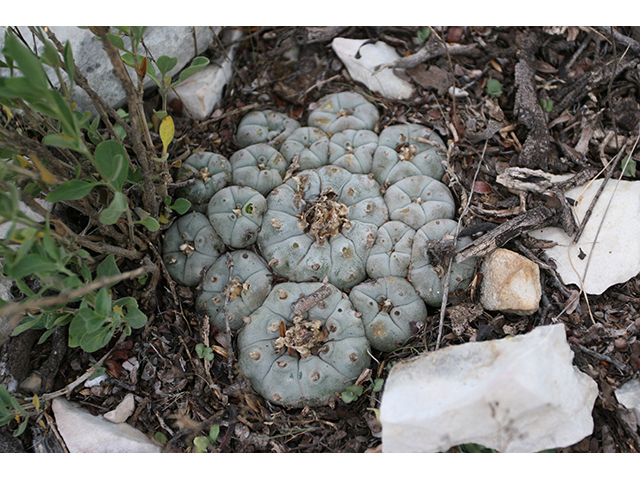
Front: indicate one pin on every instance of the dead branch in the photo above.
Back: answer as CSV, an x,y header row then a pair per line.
x,y
432,49
307,302
499,236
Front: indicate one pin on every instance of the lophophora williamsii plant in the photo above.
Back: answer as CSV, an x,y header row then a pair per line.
x,y
319,244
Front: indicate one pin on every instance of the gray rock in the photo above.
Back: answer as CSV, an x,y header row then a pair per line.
x,y
82,432
510,283
95,65
202,91
518,394
629,396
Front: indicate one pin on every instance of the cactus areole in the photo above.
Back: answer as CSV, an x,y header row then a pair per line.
x,y
317,244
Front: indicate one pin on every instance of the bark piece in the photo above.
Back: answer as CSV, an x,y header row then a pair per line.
x,y
537,150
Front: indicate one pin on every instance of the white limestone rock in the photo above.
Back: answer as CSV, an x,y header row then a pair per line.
x,y
629,396
510,283
82,432
362,68
605,255
123,411
518,394
91,59
202,91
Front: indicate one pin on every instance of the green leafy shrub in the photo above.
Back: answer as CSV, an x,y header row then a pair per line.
x,y
103,170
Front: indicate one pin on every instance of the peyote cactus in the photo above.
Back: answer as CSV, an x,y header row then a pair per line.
x,y
419,199
210,172
304,344
391,253
312,145
258,166
388,307
248,287
265,127
324,208
344,111
407,150
430,258
321,223
236,215
190,246
353,150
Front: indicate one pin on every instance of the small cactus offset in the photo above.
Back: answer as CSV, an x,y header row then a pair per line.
x,y
354,229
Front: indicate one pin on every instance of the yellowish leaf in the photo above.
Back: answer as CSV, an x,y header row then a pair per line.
x,y
167,131
7,113
46,175
36,402
24,163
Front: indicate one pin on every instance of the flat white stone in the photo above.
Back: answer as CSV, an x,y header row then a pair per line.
x,y
203,90
518,394
510,283
370,56
610,252
629,396
83,432
123,411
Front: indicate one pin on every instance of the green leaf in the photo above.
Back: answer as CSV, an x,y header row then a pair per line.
x,y
628,165
161,437
93,341
50,55
494,87
214,431
108,267
378,383
200,350
201,443
27,323
29,265
181,206
102,302
357,390
117,41
27,62
71,190
166,64
547,105
423,34
114,211
151,224
135,318
348,397
112,161
69,64
197,64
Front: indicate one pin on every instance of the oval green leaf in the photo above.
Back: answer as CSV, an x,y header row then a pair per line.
x,y
71,190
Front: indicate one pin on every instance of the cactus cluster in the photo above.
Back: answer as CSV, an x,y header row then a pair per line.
x,y
316,243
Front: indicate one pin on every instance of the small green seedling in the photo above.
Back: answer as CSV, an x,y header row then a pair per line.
x,y
205,353
201,442
494,87
628,166
423,34
355,391
547,105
